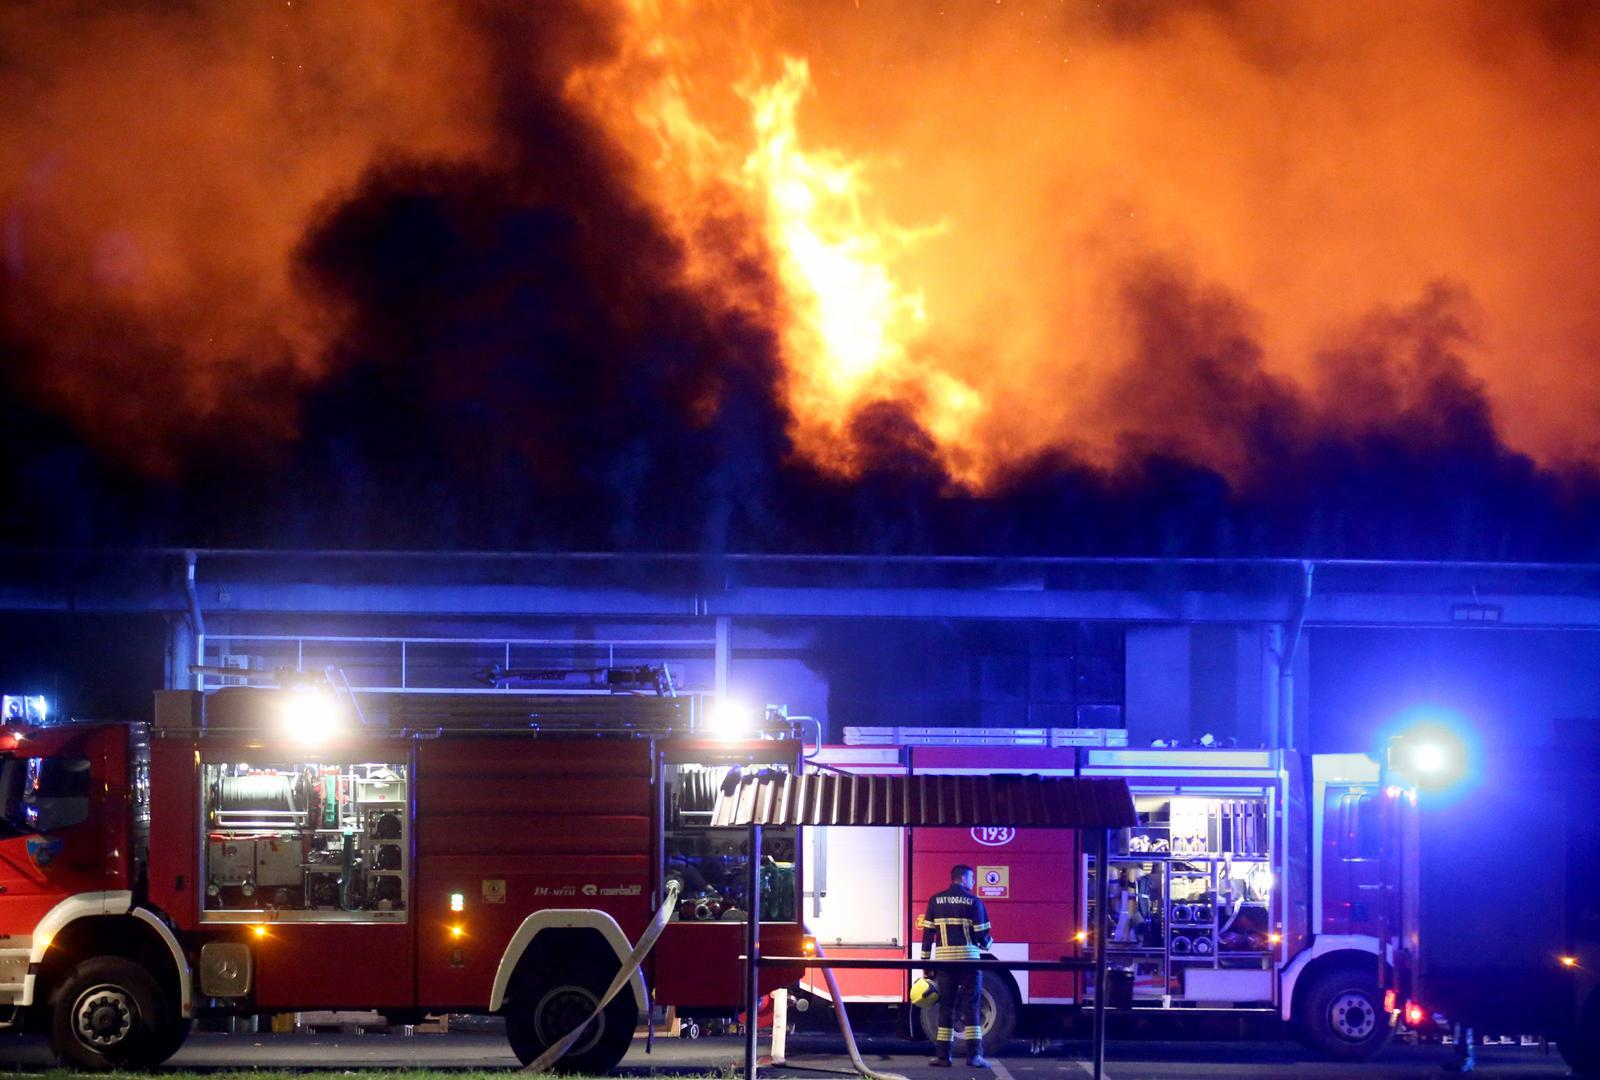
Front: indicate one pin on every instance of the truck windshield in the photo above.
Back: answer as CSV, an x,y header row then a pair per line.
x,y
39,794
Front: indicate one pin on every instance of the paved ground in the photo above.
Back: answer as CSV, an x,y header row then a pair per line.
x,y
813,1057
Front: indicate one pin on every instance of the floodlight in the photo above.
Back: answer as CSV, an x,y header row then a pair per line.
x,y
1431,753
1429,757
310,714
730,719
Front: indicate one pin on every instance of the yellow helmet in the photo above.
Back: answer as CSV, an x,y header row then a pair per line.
x,y
924,993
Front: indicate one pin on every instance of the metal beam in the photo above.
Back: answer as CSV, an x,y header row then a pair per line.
x,y
1178,592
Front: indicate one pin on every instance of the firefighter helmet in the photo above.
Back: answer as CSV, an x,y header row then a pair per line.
x,y
924,993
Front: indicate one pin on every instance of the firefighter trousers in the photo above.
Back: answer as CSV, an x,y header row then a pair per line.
x,y
959,992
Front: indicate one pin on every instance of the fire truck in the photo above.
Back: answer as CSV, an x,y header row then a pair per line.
x,y
1258,881
262,851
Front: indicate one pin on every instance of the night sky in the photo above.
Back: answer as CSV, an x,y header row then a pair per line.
x,y
1124,278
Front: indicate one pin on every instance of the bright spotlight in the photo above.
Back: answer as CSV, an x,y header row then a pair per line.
x,y
1431,754
311,714
24,709
1429,757
729,719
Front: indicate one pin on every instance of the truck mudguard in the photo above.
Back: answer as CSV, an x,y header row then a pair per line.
x,y
1324,945
180,961
79,906
577,918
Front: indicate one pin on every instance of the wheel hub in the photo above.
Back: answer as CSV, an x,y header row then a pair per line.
x,y
104,1016
563,1009
1353,1016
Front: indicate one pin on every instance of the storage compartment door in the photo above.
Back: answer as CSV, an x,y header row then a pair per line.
x,y
855,885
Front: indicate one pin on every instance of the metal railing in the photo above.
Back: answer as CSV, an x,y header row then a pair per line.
x,y
396,661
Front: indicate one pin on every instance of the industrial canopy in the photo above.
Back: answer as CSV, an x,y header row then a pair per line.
x,y
1019,800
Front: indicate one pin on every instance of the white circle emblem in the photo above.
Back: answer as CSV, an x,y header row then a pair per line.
x,y
993,835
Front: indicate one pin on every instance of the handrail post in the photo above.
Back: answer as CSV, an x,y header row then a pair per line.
x,y
752,955
1101,890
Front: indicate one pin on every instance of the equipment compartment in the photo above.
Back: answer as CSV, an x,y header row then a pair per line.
x,y
305,842
1190,900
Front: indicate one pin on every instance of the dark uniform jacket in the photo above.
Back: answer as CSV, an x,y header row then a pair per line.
x,y
956,925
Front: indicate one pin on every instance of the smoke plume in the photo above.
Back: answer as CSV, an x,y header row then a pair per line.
x,y
1138,277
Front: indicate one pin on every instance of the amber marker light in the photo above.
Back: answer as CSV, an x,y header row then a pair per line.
x,y
808,945
1274,939
1569,961
259,931
1081,936
456,933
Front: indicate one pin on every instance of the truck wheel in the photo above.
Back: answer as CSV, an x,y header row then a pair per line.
x,y
164,1043
1342,1015
109,1013
545,1008
997,1016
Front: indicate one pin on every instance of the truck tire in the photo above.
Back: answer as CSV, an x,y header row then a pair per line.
x,y
997,1015
109,1013
1342,1015
546,1006
167,1042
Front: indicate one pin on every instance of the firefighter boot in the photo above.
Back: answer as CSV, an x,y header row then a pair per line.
x,y
975,1058
941,1054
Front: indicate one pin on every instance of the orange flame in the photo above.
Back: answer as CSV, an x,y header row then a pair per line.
x,y
854,324
850,322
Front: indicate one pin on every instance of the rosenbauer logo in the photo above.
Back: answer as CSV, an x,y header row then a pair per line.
x,y
993,836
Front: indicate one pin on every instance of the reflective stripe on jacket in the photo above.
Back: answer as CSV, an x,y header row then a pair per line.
x,y
955,926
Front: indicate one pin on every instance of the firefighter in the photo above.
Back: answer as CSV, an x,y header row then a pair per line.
x,y
955,928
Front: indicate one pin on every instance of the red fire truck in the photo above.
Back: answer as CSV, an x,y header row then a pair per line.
x,y
1254,883
263,851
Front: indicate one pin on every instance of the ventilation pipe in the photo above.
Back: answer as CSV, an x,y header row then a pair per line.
x,y
197,621
1285,655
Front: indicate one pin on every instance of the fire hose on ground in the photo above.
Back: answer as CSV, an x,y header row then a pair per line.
x,y
625,975
844,1026
636,960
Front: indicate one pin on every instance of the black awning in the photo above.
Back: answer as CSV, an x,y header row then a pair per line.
x,y
1019,800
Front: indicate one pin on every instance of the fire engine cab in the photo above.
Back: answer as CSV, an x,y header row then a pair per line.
x,y
1257,881
265,850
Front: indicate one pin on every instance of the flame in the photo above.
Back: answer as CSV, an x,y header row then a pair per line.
x,y
849,320
853,319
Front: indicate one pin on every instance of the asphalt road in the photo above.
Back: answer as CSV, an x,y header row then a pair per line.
x,y
816,1057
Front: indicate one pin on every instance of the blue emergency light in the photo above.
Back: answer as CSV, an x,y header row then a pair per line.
x,y
23,710
1429,751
